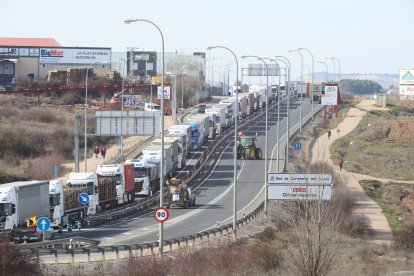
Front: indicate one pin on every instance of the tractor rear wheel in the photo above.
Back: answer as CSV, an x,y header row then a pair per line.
x,y
250,153
258,154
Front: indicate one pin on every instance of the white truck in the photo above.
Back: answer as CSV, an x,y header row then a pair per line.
x,y
177,152
82,182
154,153
175,130
230,110
212,125
146,175
182,147
120,175
21,203
221,120
57,206
200,125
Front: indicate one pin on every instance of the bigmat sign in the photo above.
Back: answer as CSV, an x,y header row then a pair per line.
x,y
75,55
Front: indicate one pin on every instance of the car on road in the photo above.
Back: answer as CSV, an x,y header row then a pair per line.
x,y
201,109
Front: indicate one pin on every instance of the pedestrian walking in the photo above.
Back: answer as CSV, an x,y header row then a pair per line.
x,y
103,152
329,134
340,163
96,152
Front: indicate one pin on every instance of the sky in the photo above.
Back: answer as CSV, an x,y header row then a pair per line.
x,y
367,36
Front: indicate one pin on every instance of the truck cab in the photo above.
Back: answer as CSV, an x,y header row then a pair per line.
x,y
84,182
57,208
146,176
8,216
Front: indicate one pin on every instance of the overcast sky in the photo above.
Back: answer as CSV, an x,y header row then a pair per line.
x,y
368,36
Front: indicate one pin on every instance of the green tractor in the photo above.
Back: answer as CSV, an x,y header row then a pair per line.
x,y
246,148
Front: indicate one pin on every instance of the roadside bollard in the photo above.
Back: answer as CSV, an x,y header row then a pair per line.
x,y
24,239
70,243
158,237
218,224
78,223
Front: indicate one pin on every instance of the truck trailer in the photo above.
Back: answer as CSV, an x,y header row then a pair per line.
x,y
20,204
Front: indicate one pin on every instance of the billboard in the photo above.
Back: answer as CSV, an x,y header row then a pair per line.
x,y
406,77
60,55
407,90
330,97
167,93
260,70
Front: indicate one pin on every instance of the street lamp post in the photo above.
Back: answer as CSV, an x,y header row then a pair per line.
x,y
313,74
86,115
267,136
287,63
235,139
339,66
128,21
301,79
333,62
326,69
278,113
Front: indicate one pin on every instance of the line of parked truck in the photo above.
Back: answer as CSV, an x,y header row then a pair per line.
x,y
117,184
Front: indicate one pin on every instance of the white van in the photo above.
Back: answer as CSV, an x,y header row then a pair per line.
x,y
152,107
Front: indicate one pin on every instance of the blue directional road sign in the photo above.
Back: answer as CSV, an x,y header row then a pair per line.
x,y
298,146
43,224
83,198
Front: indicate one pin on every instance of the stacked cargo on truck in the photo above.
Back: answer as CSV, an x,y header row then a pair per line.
x,y
85,182
119,175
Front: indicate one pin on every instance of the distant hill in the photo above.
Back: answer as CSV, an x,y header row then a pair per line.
x,y
385,80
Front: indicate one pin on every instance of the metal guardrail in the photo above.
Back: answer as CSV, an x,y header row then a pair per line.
x,y
185,241
143,249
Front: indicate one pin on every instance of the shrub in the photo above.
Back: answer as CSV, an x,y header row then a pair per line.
x,y
265,256
12,262
41,168
44,116
404,239
356,225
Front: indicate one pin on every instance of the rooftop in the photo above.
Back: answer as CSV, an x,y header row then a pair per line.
x,y
37,42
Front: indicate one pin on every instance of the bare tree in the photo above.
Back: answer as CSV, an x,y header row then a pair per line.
x,y
313,228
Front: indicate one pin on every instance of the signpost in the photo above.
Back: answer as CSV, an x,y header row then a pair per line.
x,y
302,192
161,214
286,186
83,198
43,224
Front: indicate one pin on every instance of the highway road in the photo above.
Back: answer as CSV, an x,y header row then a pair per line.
x,y
214,189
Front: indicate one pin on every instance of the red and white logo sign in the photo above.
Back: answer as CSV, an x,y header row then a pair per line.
x,y
161,214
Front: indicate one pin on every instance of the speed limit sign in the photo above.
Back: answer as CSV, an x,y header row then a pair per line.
x,y
161,214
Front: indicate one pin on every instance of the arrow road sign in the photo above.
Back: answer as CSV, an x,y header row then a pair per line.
x,y
161,214
83,198
43,224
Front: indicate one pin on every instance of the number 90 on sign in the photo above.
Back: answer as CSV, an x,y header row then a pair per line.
x,y
161,214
